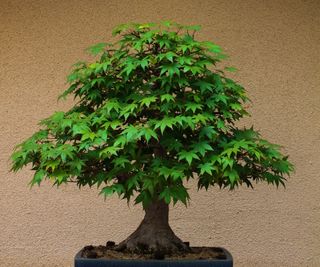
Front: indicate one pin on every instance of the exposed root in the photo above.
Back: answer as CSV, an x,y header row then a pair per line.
x,y
147,239
154,234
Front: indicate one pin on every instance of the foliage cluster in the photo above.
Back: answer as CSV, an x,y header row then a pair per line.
x,y
153,110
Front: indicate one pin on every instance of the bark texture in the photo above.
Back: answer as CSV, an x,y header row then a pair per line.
x,y
154,233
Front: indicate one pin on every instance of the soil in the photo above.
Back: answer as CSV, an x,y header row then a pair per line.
x,y
109,252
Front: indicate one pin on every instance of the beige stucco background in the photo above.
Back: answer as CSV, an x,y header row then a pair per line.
x,y
275,45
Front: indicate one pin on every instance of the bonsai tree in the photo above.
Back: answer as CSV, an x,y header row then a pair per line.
x,y
152,112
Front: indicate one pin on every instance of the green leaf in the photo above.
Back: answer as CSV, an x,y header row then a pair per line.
x,y
166,122
231,69
206,168
190,121
193,69
120,28
110,190
133,182
128,110
144,63
38,177
204,86
97,48
168,55
202,147
80,128
120,141
74,76
171,143
167,98
207,131
88,135
213,48
189,156
165,194
66,152
147,101
184,59
57,117
52,165
221,124
120,161
282,166
70,90
163,42
203,118
131,133
107,191
226,162
144,197
166,23
175,173
148,133
232,175
109,151
112,124
193,106
180,193
111,104
171,69
76,163
148,185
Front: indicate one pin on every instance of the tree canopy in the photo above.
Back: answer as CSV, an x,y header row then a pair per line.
x,y
152,111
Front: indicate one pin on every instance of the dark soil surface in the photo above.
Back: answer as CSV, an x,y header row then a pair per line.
x,y
109,252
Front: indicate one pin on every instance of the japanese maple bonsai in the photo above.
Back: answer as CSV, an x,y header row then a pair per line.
x,y
153,111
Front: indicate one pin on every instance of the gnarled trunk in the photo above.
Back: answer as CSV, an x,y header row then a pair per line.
x,y
154,232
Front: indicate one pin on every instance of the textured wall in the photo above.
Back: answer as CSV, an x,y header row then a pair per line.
x,y
276,46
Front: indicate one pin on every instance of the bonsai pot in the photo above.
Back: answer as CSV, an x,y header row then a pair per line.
x,y
223,259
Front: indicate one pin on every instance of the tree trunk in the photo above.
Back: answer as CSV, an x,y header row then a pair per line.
x,y
154,233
